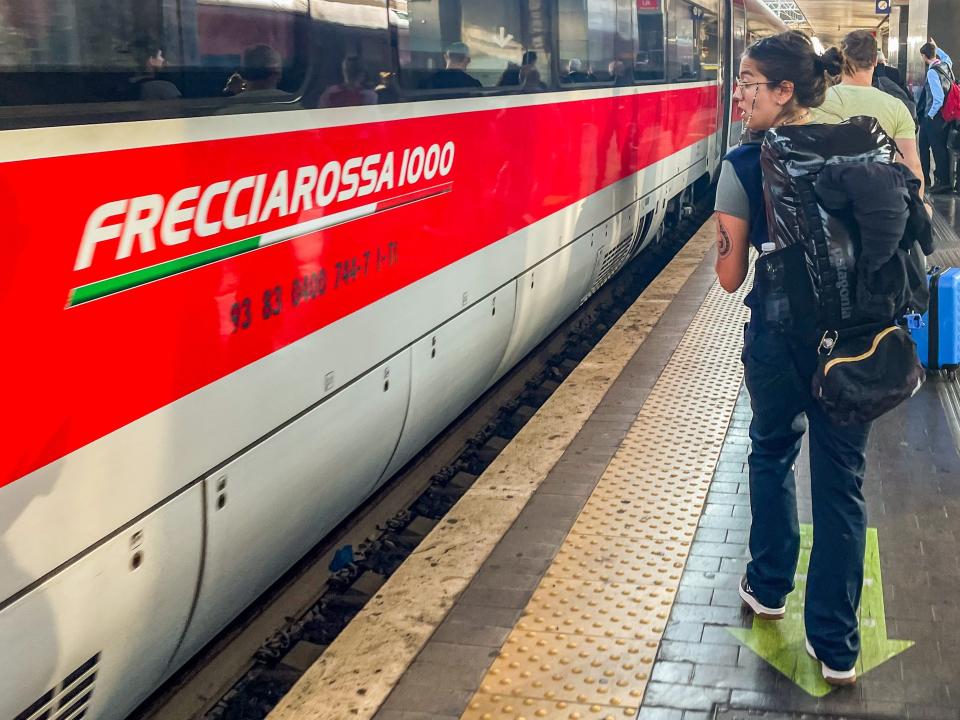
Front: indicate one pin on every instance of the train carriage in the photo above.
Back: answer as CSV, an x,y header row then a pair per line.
x,y
259,260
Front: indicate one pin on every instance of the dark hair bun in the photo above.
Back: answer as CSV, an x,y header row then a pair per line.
x,y
790,56
832,61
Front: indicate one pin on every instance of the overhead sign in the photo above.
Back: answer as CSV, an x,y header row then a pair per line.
x,y
648,4
882,7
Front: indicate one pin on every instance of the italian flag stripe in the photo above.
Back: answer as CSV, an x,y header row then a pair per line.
x,y
102,288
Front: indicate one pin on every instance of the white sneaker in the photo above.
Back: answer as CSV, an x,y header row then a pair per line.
x,y
758,608
833,677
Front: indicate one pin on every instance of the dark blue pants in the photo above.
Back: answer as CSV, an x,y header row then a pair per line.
x,y
778,374
933,136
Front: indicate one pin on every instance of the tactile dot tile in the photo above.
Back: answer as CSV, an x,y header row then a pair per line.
x,y
590,633
637,519
583,669
611,610
640,522
484,706
598,558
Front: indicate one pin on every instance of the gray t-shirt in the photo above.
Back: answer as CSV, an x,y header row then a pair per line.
x,y
731,197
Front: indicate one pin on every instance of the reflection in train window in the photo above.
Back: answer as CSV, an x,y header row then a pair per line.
x,y
351,63
597,41
739,22
57,52
693,43
681,40
650,62
450,46
709,45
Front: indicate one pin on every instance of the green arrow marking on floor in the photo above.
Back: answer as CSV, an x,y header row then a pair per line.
x,y
780,643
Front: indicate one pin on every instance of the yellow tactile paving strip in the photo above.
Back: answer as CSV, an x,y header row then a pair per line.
x,y
585,644
357,672
604,609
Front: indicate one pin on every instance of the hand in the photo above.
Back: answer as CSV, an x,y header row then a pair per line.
x,y
235,85
156,61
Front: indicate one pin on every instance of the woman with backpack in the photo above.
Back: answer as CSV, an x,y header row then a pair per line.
x,y
781,81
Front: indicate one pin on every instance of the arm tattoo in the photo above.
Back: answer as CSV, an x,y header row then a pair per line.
x,y
724,243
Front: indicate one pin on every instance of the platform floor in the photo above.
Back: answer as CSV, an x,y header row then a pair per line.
x,y
947,226
911,590
613,592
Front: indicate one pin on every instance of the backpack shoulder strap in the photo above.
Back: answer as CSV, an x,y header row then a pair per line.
x,y
946,74
829,294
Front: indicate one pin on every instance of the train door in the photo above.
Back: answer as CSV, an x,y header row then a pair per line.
x,y
736,44
269,506
460,356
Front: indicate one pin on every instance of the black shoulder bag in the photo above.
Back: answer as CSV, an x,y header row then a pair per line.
x,y
863,371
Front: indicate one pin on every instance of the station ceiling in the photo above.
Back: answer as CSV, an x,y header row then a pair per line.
x,y
832,19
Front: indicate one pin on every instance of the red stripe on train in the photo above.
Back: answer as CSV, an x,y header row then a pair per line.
x,y
72,376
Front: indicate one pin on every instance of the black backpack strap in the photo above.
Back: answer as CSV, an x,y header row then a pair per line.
x,y
827,289
946,78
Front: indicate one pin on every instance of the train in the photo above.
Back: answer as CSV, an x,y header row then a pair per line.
x,y
261,252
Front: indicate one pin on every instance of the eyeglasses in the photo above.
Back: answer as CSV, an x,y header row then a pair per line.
x,y
742,85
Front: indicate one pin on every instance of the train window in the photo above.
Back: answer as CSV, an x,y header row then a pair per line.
x,y
245,55
650,62
681,40
460,47
693,43
259,46
597,41
709,42
352,64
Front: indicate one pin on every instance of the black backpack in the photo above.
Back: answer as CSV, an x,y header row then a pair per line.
x,y
850,222
836,192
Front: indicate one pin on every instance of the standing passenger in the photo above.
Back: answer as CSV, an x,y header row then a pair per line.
x,y
933,127
855,61
942,57
888,71
781,78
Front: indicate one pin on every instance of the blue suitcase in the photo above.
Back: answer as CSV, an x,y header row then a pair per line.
x,y
938,340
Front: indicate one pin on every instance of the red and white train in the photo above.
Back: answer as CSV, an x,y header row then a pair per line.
x,y
230,318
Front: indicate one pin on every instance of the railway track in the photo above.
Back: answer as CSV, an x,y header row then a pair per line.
x,y
245,671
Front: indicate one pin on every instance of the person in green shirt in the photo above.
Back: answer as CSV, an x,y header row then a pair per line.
x,y
855,61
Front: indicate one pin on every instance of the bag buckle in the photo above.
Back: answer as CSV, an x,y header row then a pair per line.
x,y
828,342
914,321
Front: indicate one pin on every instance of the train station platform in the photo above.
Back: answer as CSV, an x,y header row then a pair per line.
x,y
591,571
